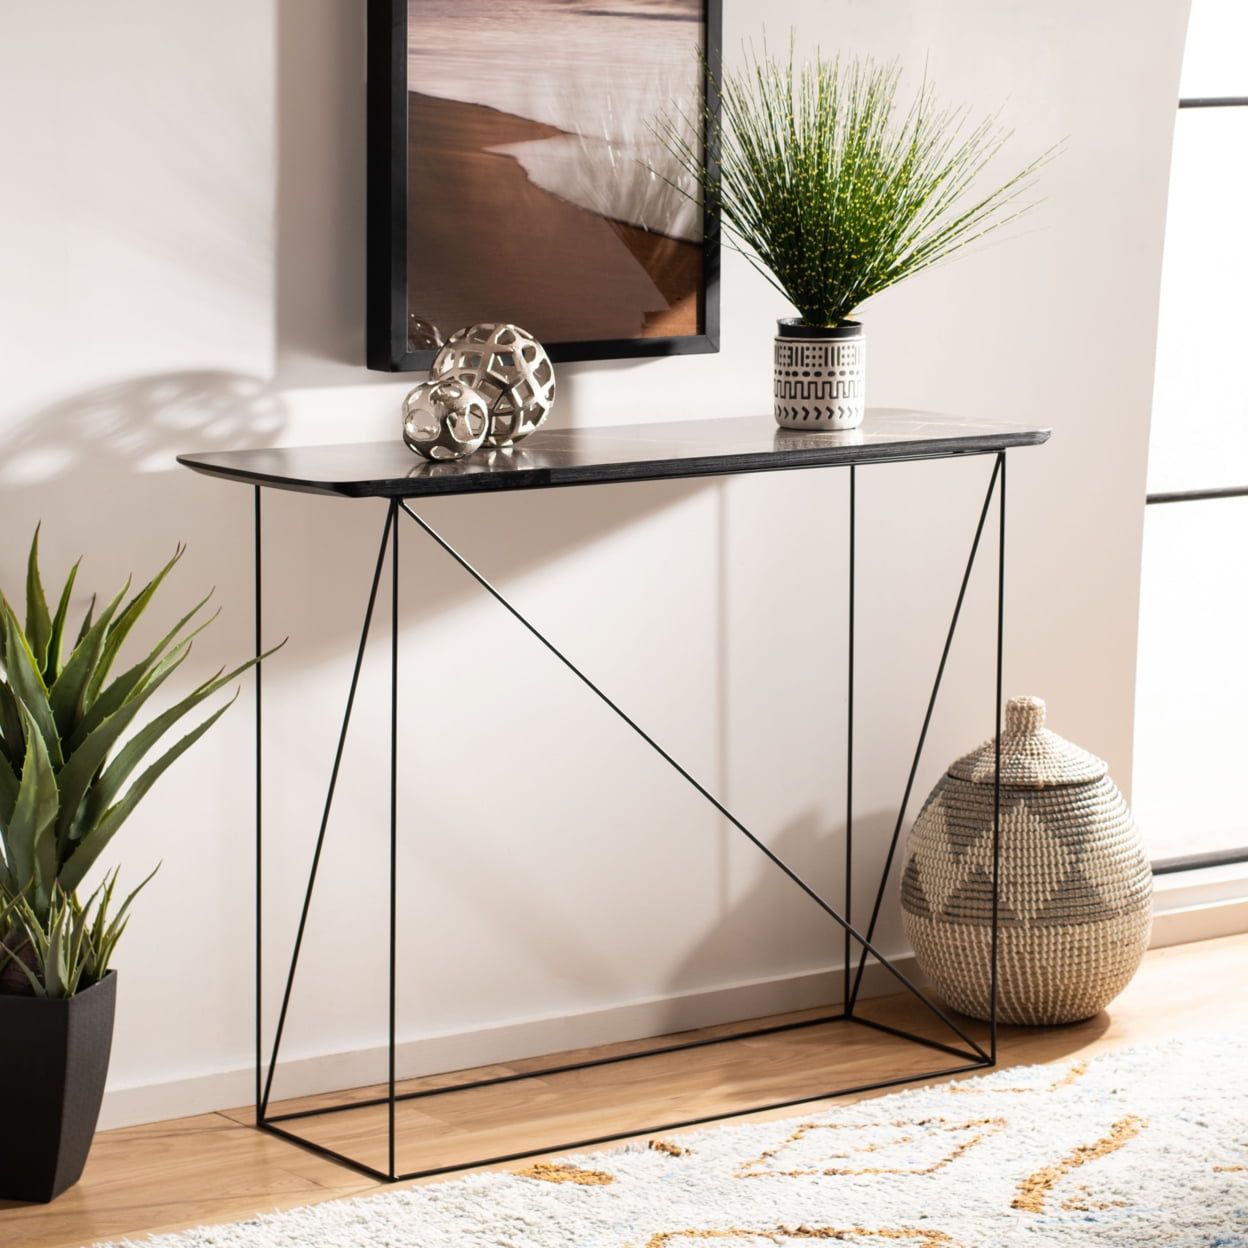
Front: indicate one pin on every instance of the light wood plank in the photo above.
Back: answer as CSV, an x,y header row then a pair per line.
x,y
215,1168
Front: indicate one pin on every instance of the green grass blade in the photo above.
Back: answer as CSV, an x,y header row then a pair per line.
x,y
832,187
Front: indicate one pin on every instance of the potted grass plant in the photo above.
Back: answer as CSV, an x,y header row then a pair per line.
x,y
75,761
835,189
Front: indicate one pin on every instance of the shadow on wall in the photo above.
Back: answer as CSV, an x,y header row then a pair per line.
x,y
98,466
106,458
102,457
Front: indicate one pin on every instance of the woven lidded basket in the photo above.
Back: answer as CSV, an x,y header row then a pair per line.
x,y
1076,887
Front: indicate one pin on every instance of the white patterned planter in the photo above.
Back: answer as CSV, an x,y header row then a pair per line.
x,y
821,377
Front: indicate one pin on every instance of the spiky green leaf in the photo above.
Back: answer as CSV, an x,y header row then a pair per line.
x,y
118,692
54,957
52,664
69,694
106,931
26,681
89,849
87,620
110,783
125,621
38,621
12,739
13,955
8,793
29,843
83,766
9,920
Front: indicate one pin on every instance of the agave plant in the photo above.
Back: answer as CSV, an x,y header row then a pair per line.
x,y
69,948
833,187
69,774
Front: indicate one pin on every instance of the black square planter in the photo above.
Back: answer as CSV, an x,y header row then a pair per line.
x,y
53,1064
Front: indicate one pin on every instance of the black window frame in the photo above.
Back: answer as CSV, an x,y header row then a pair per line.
x,y
1235,855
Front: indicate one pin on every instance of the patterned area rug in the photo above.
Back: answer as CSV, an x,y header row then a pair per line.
x,y
1141,1147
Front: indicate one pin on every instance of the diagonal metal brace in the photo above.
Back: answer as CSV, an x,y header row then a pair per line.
x,y
997,472
867,946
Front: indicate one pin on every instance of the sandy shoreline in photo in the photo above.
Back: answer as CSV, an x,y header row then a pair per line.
x,y
561,271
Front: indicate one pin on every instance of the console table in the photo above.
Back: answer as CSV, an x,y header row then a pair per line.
x,y
552,459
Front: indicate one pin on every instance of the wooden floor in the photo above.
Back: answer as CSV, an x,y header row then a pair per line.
x,y
215,1168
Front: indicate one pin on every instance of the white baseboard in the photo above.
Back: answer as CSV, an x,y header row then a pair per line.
x,y
1184,924
228,1089
1200,905
1181,915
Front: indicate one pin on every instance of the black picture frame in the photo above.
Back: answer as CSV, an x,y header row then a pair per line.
x,y
386,303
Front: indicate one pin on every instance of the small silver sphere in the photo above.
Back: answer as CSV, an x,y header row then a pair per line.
x,y
444,419
510,368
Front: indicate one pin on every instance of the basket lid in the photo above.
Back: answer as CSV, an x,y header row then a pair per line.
x,y
1032,757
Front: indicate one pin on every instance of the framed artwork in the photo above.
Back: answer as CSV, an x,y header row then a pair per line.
x,y
515,174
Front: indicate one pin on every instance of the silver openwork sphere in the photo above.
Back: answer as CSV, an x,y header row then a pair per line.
x,y
510,368
444,419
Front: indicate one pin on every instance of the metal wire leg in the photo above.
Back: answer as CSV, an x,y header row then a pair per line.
x,y
996,779
927,719
847,1003
394,804
329,802
259,588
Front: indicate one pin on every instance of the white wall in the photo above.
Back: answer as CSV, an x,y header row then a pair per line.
x,y
182,224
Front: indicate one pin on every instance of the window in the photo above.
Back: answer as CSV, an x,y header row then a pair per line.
x,y
1191,725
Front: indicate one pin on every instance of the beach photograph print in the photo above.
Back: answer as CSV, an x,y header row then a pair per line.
x,y
537,190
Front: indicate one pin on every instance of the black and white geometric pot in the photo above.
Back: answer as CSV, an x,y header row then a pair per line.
x,y
821,377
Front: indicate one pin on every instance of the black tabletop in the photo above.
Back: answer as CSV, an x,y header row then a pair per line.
x,y
559,457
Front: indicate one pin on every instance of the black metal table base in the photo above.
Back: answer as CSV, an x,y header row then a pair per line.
x,y
971,1054
277,1124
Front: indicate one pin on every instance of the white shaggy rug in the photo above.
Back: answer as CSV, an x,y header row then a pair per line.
x,y
1143,1147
